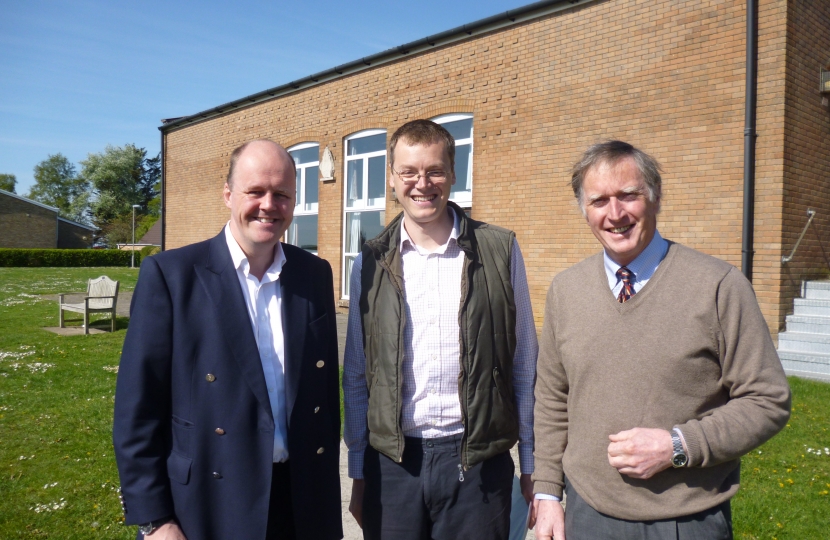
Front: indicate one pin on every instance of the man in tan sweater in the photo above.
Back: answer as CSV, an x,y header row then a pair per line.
x,y
656,372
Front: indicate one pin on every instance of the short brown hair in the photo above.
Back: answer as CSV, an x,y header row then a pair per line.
x,y
238,152
423,132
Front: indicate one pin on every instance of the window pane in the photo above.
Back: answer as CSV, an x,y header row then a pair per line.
x,y
460,129
377,180
462,170
297,202
312,175
362,226
306,155
354,182
347,282
303,232
363,145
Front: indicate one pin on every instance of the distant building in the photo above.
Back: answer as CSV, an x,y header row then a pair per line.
x,y
524,93
25,223
151,238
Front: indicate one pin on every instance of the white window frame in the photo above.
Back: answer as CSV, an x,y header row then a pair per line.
x,y
299,203
361,205
465,199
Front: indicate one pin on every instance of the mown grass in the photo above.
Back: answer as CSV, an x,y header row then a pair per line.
x,y
57,471
785,484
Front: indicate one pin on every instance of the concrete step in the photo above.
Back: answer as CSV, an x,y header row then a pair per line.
x,y
816,290
808,324
803,342
809,366
809,306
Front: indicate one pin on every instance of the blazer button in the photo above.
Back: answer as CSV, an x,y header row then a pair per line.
x,y
321,450
320,363
316,410
210,377
219,431
217,475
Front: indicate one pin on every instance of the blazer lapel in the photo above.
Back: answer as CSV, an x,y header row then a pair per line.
x,y
222,285
294,323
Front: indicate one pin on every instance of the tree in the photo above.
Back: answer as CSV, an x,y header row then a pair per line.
x,y
7,182
56,184
121,176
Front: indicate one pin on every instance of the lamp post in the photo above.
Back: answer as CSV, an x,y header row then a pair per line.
x,y
132,251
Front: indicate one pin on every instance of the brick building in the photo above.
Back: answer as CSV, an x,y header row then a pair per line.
x,y
25,223
524,93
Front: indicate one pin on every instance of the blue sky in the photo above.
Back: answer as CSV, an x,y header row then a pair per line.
x,y
78,75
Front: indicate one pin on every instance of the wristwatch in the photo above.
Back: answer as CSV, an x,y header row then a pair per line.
x,y
678,458
148,528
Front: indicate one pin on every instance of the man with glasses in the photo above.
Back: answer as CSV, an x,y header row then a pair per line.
x,y
440,360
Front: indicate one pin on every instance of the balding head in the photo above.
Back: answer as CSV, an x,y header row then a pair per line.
x,y
261,145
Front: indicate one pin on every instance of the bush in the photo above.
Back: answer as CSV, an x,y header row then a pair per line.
x,y
66,257
146,251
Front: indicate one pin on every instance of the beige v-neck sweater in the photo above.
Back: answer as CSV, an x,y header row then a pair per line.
x,y
691,349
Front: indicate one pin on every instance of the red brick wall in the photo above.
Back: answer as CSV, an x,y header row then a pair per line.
x,y
806,149
667,76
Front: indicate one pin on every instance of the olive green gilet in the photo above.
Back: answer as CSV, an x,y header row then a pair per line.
x,y
487,340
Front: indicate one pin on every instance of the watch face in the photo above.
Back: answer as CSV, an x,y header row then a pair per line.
x,y
679,460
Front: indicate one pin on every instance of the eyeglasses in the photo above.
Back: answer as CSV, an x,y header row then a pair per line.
x,y
413,176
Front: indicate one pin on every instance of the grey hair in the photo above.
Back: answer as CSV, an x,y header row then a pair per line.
x,y
611,152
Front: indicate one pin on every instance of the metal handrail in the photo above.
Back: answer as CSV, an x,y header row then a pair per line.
x,y
812,214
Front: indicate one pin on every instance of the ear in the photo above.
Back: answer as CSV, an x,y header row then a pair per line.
x,y
226,194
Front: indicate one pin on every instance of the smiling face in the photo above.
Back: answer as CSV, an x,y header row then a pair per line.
x,y
261,198
617,208
424,200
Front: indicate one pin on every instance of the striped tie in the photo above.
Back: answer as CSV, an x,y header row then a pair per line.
x,y
627,290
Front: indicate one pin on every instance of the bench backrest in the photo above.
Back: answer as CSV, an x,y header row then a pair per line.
x,y
101,286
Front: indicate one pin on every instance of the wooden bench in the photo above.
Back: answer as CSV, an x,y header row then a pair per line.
x,y
101,297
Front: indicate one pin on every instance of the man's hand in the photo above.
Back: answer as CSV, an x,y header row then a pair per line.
x,y
640,452
527,487
356,502
168,531
549,518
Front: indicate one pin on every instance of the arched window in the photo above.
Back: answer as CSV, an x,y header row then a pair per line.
x,y
303,230
364,208
460,127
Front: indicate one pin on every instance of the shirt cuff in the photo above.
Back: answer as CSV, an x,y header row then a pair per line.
x,y
546,497
526,459
355,465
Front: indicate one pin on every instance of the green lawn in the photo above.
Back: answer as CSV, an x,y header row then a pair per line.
x,y
58,477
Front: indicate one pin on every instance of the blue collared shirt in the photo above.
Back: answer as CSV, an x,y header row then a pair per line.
x,y
643,266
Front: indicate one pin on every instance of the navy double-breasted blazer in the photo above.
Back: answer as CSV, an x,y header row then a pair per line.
x,y
193,428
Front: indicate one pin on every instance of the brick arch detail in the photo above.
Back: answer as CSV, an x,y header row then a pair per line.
x,y
307,136
447,106
359,124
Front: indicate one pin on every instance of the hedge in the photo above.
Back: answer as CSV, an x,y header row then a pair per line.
x,y
66,257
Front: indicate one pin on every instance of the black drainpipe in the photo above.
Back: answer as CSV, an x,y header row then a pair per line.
x,y
163,212
749,137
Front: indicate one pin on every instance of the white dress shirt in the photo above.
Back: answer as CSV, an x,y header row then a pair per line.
x,y
431,406
264,301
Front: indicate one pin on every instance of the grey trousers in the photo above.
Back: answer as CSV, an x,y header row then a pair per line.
x,y
582,522
423,498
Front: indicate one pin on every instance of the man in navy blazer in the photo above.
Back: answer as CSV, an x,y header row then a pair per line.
x,y
227,410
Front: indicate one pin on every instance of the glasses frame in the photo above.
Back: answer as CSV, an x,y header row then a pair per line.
x,y
444,175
